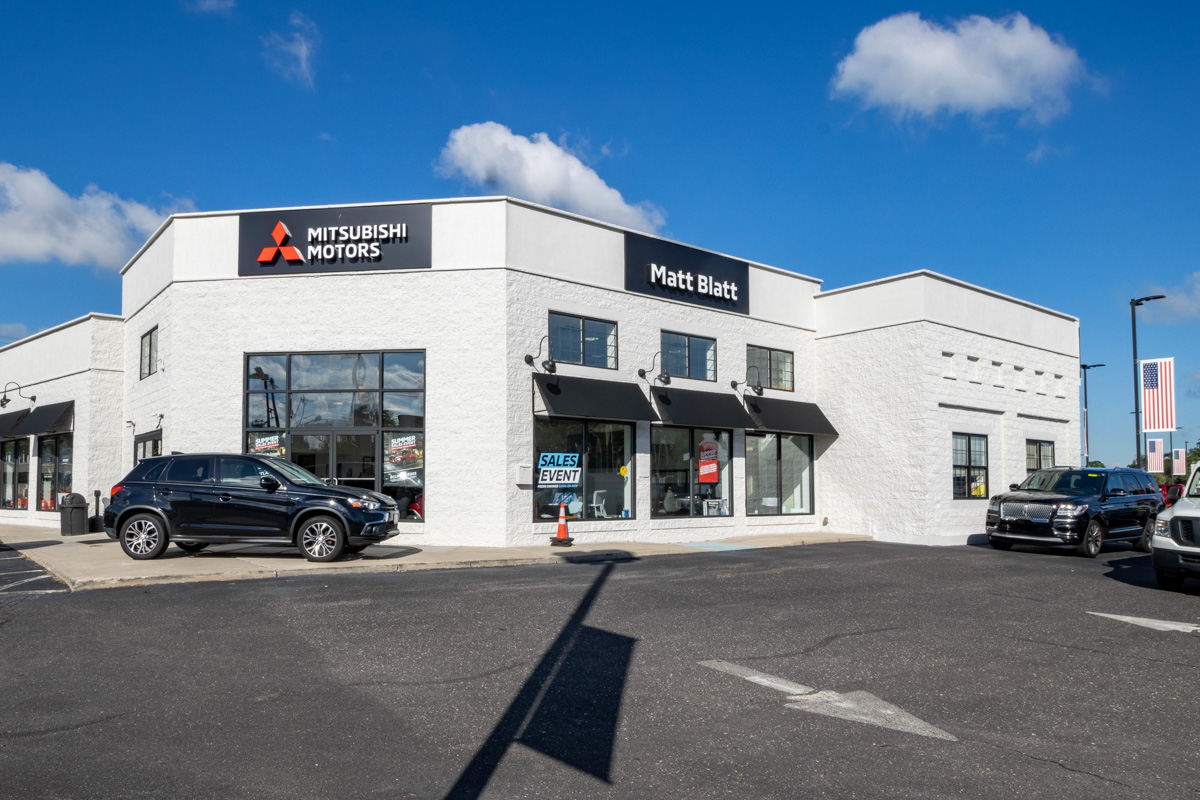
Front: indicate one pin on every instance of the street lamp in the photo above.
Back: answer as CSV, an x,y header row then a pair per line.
x,y
1086,455
1137,378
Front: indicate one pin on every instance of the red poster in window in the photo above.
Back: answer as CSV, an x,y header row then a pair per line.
x,y
708,462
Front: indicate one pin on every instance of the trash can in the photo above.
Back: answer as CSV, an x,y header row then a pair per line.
x,y
73,514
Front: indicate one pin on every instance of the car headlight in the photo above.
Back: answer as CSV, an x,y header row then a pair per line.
x,y
1162,527
994,503
1071,510
369,505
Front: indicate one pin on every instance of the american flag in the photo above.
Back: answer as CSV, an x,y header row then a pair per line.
x,y
1179,461
1154,455
1158,395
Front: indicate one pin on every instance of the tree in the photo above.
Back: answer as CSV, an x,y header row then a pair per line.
x,y
1094,463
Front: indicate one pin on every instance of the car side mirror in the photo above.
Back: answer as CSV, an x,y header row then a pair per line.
x,y
1012,487
1173,494
269,483
1117,493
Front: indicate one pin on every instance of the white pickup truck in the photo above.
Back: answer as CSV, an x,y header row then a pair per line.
x,y
1176,539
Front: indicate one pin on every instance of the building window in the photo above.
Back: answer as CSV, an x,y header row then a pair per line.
x,y
970,467
690,472
1038,455
585,466
354,419
686,356
778,473
14,455
770,368
577,340
54,470
147,445
149,360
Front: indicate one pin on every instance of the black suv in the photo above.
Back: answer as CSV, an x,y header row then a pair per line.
x,y
195,500
1079,507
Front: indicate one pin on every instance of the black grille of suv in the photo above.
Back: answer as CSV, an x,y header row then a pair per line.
x,y
1185,532
1025,510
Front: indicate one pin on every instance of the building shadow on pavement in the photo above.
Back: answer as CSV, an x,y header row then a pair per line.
x,y
31,545
569,706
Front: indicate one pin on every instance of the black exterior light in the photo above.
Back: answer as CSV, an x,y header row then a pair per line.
x,y
1137,378
757,388
662,377
4,400
549,364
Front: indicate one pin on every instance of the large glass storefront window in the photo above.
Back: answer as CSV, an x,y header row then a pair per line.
x,y
14,493
54,469
355,419
690,472
778,473
586,466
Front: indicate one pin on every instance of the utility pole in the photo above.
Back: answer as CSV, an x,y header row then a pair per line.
x,y
1137,378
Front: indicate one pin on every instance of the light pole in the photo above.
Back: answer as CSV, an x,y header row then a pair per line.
x,y
1137,378
1086,454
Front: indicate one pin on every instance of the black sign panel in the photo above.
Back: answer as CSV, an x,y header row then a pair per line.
x,y
666,269
335,240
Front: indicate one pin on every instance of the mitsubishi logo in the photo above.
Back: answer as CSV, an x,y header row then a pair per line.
x,y
280,234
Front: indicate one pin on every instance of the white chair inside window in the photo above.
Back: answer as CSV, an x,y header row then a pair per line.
x,y
574,506
670,502
598,509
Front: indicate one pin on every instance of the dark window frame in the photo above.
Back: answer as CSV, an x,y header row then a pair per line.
x,y
688,337
770,351
1037,443
55,473
812,472
616,354
148,356
691,485
147,439
987,477
583,477
28,462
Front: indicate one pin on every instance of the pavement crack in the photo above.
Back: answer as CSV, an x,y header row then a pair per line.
x,y
62,728
1047,760
1104,652
823,643
443,681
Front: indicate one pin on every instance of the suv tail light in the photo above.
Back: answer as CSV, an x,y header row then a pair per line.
x,y
113,492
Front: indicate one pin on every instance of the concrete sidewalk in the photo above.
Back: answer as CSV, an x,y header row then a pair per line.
x,y
94,561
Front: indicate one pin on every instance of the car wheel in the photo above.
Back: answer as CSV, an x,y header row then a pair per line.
x,y
1169,581
1093,540
191,547
321,539
999,544
143,536
1146,543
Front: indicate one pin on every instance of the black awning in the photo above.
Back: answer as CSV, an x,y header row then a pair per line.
x,y
788,416
700,409
9,421
50,418
593,399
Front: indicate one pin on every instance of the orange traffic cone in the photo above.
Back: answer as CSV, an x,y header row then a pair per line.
x,y
561,539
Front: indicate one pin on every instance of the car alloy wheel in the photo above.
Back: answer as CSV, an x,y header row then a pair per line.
x,y
142,537
1093,540
321,539
1146,543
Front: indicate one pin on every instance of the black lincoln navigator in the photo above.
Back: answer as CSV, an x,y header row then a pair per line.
x,y
1079,507
195,500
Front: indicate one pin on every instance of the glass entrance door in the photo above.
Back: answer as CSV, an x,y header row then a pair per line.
x,y
350,459
311,451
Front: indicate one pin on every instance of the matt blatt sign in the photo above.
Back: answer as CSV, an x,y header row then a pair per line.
x,y
667,269
335,240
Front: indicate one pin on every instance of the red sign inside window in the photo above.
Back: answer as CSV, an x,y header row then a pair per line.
x,y
708,462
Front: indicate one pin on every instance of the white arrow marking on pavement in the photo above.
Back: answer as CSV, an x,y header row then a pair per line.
x,y
1156,624
854,706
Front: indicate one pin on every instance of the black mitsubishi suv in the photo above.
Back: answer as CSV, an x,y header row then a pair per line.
x,y
1083,508
195,500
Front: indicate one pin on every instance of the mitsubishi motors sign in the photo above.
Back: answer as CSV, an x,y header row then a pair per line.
x,y
335,240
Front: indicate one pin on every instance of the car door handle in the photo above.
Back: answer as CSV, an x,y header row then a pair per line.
x,y
225,497
164,490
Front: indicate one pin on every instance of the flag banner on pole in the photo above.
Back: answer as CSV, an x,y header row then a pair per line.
x,y
1158,395
1179,462
1154,455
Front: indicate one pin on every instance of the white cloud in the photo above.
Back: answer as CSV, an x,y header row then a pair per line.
x,y
1181,304
977,65
291,55
41,222
537,169
12,331
211,6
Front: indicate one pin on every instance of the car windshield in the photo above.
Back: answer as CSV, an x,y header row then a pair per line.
x,y
294,473
1194,490
1072,481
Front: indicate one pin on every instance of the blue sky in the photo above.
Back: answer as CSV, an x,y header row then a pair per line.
x,y
1038,150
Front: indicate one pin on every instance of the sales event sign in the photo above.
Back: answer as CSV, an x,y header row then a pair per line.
x,y
353,239
559,469
708,462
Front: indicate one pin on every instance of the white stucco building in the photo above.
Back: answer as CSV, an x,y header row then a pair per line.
x,y
490,358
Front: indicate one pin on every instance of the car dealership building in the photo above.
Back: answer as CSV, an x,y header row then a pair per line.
x,y
487,359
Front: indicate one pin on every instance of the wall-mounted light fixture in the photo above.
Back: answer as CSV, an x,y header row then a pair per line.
x,y
757,387
4,399
548,365
662,377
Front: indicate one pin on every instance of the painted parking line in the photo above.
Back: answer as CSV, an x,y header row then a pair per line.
x,y
1155,624
27,580
719,546
853,706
